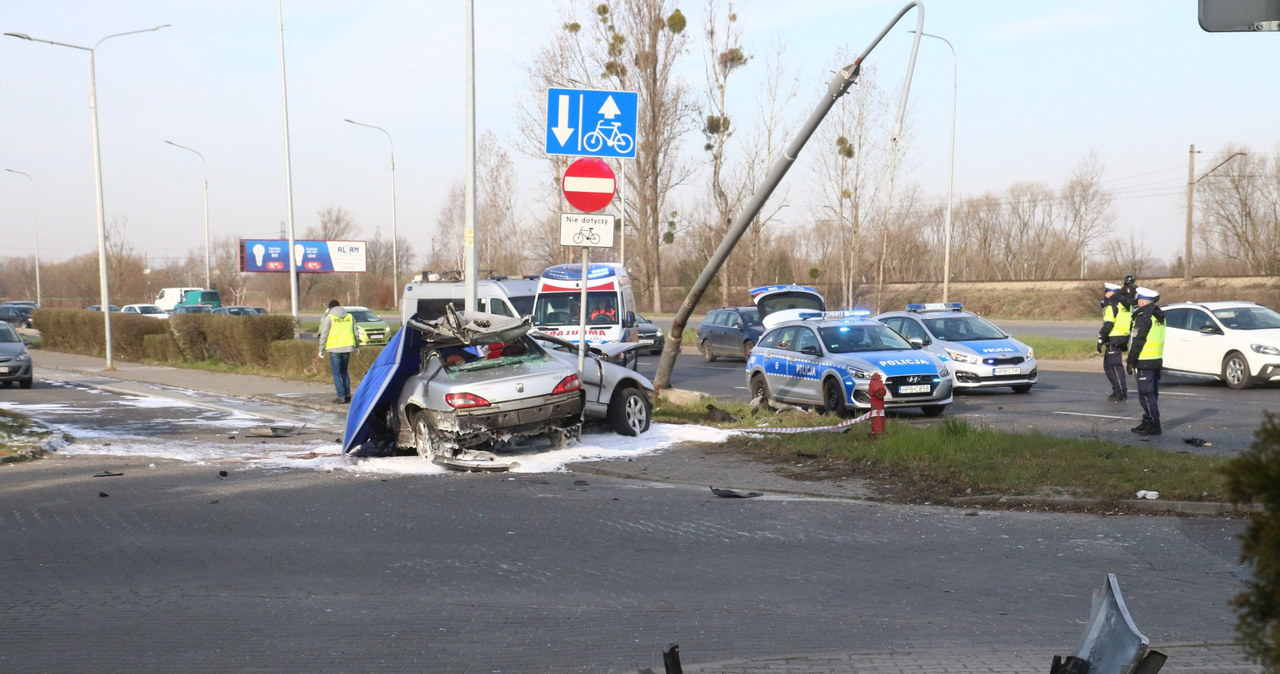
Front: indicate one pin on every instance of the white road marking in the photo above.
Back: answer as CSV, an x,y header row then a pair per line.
x,y
1100,416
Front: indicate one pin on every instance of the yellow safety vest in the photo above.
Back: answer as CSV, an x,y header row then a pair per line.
x,y
341,332
1121,319
1153,348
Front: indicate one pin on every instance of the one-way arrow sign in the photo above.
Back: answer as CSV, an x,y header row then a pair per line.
x,y
593,123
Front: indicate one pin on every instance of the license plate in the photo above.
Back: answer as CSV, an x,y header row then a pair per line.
x,y
4,370
1000,371
917,388
646,341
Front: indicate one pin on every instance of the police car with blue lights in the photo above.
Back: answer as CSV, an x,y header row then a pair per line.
x,y
981,354
827,360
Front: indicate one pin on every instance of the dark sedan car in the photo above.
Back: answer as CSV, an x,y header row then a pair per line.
x,y
15,362
729,331
649,335
15,315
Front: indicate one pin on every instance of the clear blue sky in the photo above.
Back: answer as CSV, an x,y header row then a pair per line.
x,y
1041,84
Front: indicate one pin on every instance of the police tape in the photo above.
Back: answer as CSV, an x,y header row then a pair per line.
x,y
821,429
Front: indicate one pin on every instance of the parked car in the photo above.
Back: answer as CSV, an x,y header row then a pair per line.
x,y
464,389
371,330
729,331
191,309
30,305
15,362
982,355
649,335
236,311
98,307
15,315
1235,342
145,309
827,360
199,296
617,395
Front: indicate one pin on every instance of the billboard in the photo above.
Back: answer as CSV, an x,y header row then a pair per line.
x,y
310,257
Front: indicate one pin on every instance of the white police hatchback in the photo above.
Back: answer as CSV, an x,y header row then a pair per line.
x,y
982,355
827,359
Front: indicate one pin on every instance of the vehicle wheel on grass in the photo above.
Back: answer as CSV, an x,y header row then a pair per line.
x,y
932,410
423,440
759,388
1022,388
629,412
1235,371
746,349
704,347
25,383
833,398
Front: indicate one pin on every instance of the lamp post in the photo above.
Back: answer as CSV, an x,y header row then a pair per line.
x,y
395,256
35,230
946,256
97,174
206,209
1191,187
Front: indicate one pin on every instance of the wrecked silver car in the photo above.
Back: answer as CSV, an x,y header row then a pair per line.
x,y
616,394
466,388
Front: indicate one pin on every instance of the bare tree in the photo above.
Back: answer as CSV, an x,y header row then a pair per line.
x,y
1240,213
1086,207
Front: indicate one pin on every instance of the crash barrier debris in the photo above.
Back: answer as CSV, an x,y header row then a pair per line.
x,y
842,426
1110,643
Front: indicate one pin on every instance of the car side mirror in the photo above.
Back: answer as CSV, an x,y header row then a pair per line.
x,y
810,350
737,325
1210,329
916,342
629,320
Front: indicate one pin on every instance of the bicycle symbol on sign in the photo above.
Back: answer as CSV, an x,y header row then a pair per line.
x,y
607,134
586,235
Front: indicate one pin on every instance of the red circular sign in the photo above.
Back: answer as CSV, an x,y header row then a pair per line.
x,y
589,184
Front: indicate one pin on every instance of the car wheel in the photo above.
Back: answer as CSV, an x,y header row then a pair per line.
x,y
423,439
833,398
746,349
6,384
1022,388
1235,371
932,410
629,412
704,347
759,388
24,383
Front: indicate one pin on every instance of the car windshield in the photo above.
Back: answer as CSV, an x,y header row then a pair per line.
x,y
458,359
149,309
8,334
1248,318
954,328
855,338
364,316
555,309
523,304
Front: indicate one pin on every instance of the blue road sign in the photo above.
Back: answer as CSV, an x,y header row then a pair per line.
x,y
591,123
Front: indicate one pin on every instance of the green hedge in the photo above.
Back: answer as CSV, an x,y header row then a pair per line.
x,y
80,331
235,340
297,359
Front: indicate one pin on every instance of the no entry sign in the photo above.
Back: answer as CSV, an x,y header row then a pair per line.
x,y
589,184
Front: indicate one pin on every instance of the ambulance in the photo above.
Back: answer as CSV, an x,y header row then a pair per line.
x,y
610,309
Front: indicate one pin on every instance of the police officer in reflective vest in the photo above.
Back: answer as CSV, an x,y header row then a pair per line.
x,y
338,337
1146,357
1113,338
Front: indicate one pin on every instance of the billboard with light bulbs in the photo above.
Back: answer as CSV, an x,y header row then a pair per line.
x,y
309,257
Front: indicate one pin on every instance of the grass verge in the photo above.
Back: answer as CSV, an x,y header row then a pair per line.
x,y
1060,348
18,435
947,460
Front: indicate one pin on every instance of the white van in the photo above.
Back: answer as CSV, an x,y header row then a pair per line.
x,y
499,295
170,297
611,305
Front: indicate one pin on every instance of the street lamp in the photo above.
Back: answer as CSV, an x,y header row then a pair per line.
x,y
97,174
206,209
946,256
395,257
35,230
1191,187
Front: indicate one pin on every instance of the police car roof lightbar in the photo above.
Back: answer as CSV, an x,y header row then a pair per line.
x,y
851,313
936,306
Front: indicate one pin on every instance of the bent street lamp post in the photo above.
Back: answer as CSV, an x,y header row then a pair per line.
x,y
395,257
206,209
97,174
837,87
35,230
1191,188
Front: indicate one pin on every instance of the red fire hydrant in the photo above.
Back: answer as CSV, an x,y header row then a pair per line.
x,y
877,392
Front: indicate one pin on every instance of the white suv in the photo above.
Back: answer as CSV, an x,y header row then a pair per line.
x,y
1237,342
